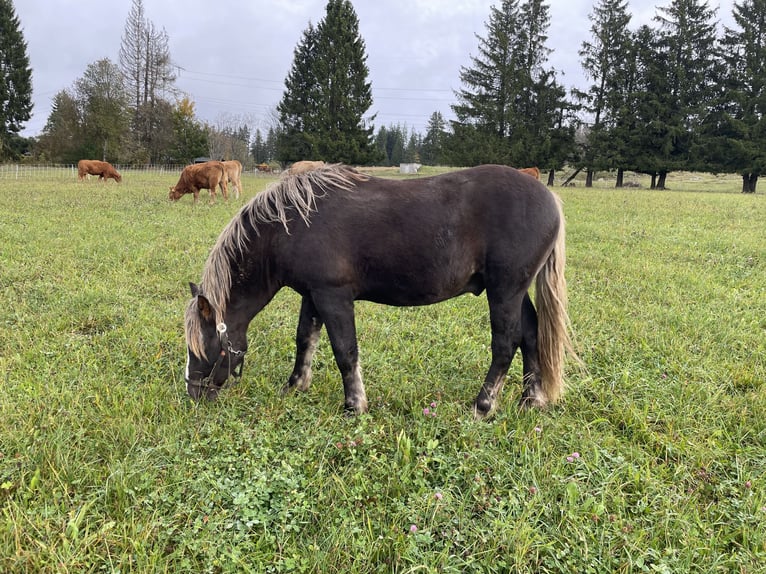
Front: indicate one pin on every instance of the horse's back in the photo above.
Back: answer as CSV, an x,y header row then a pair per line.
x,y
418,241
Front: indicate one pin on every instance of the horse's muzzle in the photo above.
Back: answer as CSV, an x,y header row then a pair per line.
x,y
199,389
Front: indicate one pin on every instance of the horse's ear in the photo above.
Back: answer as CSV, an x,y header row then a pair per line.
x,y
203,305
205,308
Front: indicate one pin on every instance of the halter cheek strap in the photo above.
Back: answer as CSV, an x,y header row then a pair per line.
x,y
225,348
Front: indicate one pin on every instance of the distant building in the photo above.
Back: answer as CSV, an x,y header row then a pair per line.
x,y
409,167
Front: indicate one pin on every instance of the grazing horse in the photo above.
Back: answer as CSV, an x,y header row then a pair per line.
x,y
335,236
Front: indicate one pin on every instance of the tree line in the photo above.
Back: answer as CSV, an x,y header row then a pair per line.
x,y
679,94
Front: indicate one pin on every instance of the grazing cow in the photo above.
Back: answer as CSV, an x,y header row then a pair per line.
x,y
263,168
533,171
103,169
304,166
233,174
208,175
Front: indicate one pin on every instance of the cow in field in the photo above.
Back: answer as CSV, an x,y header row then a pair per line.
x,y
208,175
103,169
533,171
233,175
304,166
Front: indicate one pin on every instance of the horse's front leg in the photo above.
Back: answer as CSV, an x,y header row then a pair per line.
x,y
336,307
309,327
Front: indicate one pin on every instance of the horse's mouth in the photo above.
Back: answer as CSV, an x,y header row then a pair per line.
x,y
198,390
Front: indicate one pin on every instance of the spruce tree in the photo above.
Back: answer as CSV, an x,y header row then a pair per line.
x,y
688,45
15,78
491,84
511,109
327,93
299,107
736,127
433,142
61,138
605,61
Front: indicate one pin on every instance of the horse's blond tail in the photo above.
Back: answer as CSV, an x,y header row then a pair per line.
x,y
553,340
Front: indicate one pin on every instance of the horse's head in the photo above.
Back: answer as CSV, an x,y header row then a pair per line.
x,y
211,358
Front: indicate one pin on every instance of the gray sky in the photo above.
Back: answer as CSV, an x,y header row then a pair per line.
x,y
235,54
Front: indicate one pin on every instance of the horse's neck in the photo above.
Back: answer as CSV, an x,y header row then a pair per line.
x,y
250,295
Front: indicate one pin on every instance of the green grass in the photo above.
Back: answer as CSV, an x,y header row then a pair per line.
x,y
106,466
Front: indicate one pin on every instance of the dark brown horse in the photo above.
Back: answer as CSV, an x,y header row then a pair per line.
x,y
335,236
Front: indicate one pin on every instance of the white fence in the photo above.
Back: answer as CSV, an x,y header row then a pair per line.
x,y
22,171
59,171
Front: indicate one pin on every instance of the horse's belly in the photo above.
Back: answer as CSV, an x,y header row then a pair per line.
x,y
409,292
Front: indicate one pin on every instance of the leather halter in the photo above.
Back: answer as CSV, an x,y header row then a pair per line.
x,y
223,336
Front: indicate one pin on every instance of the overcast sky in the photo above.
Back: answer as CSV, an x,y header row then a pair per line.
x,y
234,55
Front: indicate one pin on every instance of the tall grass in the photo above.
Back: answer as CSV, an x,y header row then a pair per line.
x,y
654,461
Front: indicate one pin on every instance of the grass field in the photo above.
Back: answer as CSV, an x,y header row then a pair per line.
x,y
654,461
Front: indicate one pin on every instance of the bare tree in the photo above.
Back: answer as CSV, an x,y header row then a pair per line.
x,y
149,76
230,137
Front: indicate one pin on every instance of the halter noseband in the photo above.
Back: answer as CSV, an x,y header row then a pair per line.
x,y
223,336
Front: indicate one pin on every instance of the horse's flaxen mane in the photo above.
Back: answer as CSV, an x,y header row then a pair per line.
x,y
294,193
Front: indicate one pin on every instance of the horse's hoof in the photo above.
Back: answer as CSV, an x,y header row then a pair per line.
x,y
483,410
528,403
355,409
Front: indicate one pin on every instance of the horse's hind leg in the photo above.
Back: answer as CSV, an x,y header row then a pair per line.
x,y
505,319
532,395
309,327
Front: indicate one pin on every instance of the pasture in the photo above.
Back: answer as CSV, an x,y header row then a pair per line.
x,y
654,460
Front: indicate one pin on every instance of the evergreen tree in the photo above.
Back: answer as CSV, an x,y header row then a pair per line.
x,y
687,45
605,61
735,128
15,78
641,125
390,143
258,148
271,144
433,142
327,93
511,109
490,87
61,138
299,107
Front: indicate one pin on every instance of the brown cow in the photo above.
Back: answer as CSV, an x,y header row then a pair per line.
x,y
103,169
208,175
533,171
233,174
304,166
